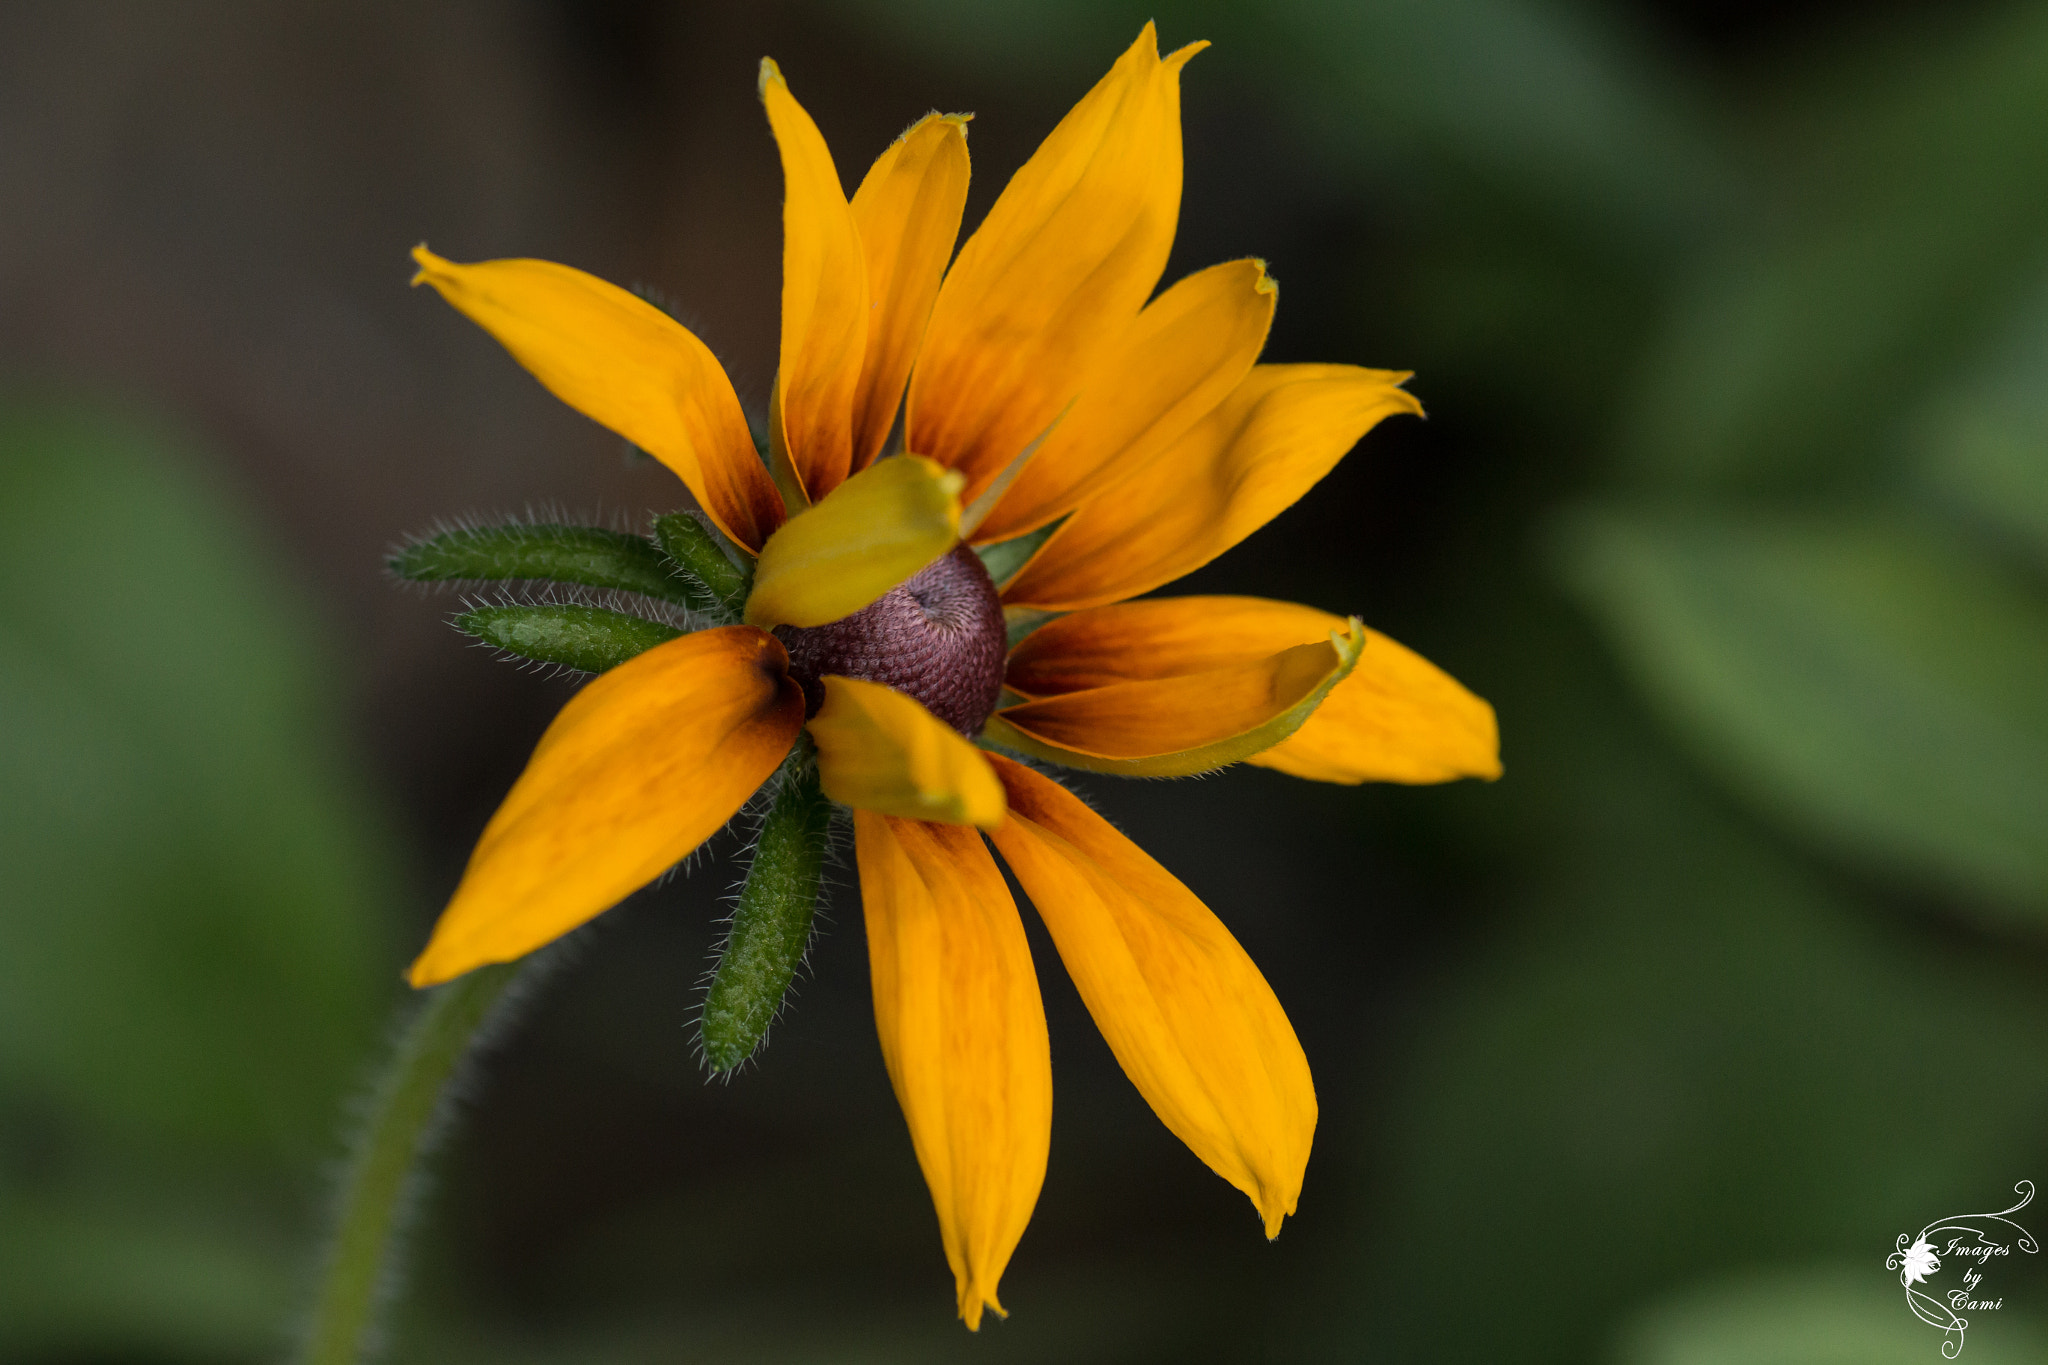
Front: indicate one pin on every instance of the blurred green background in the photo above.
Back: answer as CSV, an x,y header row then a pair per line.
x,y
1732,322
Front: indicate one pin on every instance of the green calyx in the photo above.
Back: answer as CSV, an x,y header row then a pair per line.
x,y
686,563
1004,558
698,552
592,639
588,556
771,927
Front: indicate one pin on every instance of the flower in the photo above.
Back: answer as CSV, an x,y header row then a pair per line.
x,y
1093,443
1917,1262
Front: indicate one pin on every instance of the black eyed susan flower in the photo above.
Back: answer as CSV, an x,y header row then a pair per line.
x,y
1070,443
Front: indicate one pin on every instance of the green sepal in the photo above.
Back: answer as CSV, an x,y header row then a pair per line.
x,y
1004,558
1019,622
587,555
771,927
588,638
699,552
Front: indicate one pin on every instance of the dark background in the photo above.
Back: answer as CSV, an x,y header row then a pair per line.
x,y
1732,324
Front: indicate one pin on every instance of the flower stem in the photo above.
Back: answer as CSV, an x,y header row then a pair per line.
x,y
407,1113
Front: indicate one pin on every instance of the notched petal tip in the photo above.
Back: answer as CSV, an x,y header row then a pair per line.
x,y
972,1301
426,261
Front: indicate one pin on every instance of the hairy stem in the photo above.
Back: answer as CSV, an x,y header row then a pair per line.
x,y
407,1114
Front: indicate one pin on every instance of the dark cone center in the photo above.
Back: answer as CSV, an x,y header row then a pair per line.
x,y
938,636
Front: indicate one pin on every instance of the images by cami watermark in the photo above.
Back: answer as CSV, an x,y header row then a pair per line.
x,y
1971,1243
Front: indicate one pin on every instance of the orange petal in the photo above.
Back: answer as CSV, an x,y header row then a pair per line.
x,y
880,750
963,1035
625,364
1178,726
1396,718
644,764
908,211
1194,1024
824,298
1268,443
1190,347
1055,273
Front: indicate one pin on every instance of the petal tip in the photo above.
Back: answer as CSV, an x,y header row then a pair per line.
x,y
428,264
973,1299
427,971
1275,1210
771,74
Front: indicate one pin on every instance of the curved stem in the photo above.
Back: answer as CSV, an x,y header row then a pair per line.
x,y
406,1115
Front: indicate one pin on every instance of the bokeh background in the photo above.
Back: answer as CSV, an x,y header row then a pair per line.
x,y
1732,322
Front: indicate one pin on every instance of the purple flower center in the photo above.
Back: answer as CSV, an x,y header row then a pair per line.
x,y
937,635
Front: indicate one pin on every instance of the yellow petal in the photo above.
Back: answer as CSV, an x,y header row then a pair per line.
x,y
963,1036
1186,352
644,764
866,536
1178,726
824,297
880,750
625,364
1396,718
1280,430
1194,1024
1055,273
908,211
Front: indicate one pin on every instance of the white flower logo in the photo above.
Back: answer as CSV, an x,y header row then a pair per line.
x,y
1989,1235
1918,1262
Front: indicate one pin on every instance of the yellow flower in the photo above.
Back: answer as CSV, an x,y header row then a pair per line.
x,y
1045,393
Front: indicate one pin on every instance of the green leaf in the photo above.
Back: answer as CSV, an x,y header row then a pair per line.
x,y
1859,678
1985,446
698,550
122,1272
771,926
194,895
1678,1052
1831,1315
587,555
1911,188
591,639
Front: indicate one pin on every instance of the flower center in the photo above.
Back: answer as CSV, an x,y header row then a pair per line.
x,y
937,635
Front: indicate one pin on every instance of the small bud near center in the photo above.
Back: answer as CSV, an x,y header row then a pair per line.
x,y
937,636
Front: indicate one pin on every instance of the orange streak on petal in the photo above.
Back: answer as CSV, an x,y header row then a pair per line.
x,y
824,297
1194,1024
908,212
1269,442
625,364
1055,273
963,1035
644,764
1183,356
